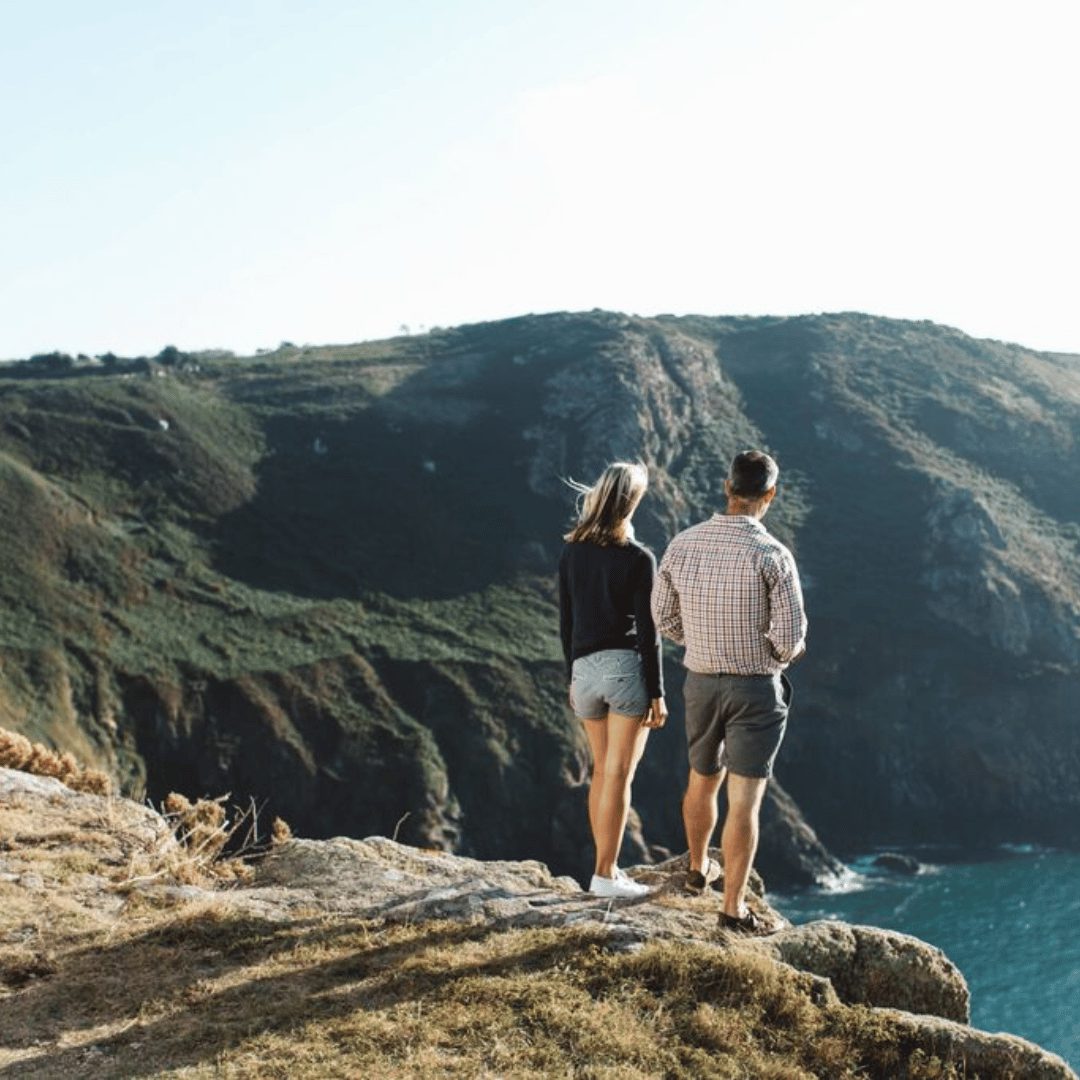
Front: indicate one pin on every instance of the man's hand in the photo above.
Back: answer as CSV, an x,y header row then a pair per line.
x,y
656,717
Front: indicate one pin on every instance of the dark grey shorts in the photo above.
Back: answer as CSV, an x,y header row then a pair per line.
x,y
611,680
735,722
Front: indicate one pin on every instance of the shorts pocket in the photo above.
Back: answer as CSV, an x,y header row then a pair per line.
x,y
582,665
787,692
624,665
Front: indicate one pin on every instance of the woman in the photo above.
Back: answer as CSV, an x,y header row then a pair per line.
x,y
612,654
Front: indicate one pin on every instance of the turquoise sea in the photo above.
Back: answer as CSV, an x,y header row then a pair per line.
x,y
1010,921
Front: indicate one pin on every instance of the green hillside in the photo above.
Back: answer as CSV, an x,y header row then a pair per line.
x,y
323,577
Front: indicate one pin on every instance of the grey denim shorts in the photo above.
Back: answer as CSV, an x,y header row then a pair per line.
x,y
611,680
735,722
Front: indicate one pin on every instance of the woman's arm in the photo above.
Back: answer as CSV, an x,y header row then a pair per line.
x,y
566,613
648,640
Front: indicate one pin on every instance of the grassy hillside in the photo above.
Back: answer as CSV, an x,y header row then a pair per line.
x,y
323,577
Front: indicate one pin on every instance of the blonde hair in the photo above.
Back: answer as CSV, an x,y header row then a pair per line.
x,y
604,509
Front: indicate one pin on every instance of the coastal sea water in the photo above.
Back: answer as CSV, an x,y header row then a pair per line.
x,y
1010,921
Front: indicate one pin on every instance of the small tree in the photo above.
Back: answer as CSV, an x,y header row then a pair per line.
x,y
170,356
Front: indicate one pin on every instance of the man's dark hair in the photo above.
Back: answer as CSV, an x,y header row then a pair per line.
x,y
752,474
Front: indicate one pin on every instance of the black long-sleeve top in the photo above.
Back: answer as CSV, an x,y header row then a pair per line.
x,y
604,604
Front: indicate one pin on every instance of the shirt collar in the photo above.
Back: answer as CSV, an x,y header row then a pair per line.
x,y
745,520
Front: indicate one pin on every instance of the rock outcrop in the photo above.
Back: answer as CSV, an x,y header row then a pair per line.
x,y
898,863
377,878
790,854
125,850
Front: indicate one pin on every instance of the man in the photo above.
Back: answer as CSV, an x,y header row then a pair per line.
x,y
729,592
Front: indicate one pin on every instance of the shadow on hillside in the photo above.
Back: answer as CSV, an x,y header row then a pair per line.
x,y
197,1023
421,492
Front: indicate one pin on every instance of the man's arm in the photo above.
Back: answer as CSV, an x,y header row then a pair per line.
x,y
666,613
787,626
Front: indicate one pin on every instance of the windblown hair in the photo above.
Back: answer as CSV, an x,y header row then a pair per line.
x,y
604,509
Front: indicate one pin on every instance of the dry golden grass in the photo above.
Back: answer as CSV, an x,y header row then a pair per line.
x,y
280,831
205,993
209,846
215,848
206,835
100,977
18,752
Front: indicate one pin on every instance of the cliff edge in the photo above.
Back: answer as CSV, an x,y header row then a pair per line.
x,y
121,953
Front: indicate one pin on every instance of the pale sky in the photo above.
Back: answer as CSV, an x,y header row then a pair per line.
x,y
239,172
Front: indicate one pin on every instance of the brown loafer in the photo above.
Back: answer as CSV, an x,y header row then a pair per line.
x,y
697,881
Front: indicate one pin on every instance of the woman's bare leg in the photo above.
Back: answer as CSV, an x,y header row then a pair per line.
x,y
596,732
626,738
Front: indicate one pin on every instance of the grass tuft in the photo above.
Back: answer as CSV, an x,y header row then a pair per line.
x,y
207,836
18,752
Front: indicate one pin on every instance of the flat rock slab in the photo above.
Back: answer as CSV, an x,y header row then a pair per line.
x,y
377,878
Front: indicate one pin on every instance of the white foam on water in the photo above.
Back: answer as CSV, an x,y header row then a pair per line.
x,y
847,881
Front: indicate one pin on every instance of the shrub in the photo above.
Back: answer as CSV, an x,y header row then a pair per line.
x,y
54,361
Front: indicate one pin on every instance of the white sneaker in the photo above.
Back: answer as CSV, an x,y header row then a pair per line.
x,y
620,885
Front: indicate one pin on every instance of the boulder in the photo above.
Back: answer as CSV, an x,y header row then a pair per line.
x,y
898,863
869,966
789,851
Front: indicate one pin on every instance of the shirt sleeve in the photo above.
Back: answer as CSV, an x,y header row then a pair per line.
x,y
648,641
566,614
787,616
666,612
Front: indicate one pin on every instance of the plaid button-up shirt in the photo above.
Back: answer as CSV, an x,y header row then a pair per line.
x,y
729,592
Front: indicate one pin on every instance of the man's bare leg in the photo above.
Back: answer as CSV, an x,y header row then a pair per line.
x,y
699,814
740,837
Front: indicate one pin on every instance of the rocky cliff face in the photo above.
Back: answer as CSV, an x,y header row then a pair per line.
x,y
327,583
